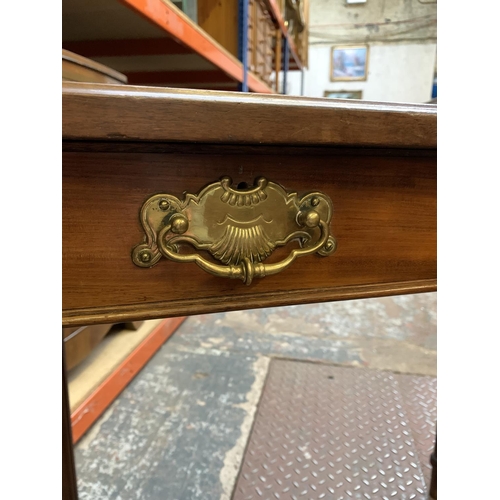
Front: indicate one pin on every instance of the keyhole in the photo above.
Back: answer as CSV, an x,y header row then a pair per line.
x,y
242,185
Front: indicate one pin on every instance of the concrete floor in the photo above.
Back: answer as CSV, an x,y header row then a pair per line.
x,y
179,430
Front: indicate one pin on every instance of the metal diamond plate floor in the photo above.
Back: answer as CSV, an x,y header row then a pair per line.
x,y
324,432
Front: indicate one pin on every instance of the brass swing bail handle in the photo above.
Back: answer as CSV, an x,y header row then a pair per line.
x,y
239,228
246,270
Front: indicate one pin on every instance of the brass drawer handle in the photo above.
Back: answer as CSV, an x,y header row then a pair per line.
x,y
239,228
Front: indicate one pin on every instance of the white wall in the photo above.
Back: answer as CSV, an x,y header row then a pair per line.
x,y
396,72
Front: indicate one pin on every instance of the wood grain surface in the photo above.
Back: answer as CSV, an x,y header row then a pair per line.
x,y
110,112
384,221
376,161
220,21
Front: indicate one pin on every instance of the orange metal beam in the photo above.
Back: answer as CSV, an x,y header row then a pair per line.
x,y
180,27
93,407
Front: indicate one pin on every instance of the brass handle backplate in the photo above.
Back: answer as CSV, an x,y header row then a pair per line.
x,y
238,228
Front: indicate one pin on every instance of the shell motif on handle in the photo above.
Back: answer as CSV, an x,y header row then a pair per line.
x,y
230,232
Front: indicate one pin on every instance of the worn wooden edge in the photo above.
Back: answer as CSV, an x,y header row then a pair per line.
x,y
206,305
96,403
115,112
94,66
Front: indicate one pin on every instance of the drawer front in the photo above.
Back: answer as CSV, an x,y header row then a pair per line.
x,y
384,221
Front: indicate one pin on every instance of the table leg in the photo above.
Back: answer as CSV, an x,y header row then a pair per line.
x,y
69,489
433,488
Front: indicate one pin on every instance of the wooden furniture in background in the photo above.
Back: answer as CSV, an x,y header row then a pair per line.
x,y
76,68
262,40
376,161
220,20
79,342
297,19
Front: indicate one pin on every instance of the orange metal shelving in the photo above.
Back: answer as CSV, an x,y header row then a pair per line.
x,y
181,28
154,43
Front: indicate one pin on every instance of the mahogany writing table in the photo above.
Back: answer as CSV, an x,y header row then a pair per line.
x,y
179,202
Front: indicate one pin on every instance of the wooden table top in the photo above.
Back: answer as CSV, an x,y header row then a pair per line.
x,y
122,144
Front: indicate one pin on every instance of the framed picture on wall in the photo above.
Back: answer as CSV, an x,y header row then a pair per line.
x,y
349,63
344,94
